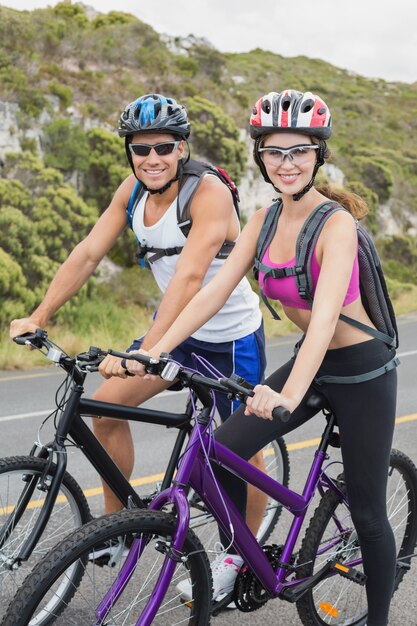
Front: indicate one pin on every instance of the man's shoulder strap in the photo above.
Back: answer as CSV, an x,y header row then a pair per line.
x,y
193,173
134,199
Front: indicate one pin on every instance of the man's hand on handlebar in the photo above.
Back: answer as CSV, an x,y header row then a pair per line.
x,y
22,326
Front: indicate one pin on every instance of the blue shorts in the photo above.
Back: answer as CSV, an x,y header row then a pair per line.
x,y
244,357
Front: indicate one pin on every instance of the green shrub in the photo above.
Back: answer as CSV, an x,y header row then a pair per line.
x,y
186,65
15,297
63,92
66,146
41,220
71,12
215,136
376,176
107,167
371,199
111,18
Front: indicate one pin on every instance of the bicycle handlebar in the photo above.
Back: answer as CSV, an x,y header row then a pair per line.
x,y
169,370
85,362
165,367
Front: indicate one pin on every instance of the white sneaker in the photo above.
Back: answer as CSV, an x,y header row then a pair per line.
x,y
111,551
224,570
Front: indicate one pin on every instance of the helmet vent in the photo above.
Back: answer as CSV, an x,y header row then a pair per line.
x,y
321,111
307,106
266,106
286,102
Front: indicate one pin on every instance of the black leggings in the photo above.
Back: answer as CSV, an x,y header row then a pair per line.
x,y
365,414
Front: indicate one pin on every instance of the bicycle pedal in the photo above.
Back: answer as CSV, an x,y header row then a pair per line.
x,y
218,606
350,573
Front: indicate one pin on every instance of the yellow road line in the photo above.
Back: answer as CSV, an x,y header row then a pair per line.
x,y
154,478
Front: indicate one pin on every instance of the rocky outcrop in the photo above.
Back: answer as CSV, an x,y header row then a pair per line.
x,y
9,128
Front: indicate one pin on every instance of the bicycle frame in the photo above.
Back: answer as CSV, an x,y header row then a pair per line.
x,y
71,425
192,470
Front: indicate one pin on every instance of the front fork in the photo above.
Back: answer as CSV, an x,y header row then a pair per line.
x,y
176,496
172,550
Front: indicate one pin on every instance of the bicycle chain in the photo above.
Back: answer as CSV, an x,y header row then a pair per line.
x,y
248,593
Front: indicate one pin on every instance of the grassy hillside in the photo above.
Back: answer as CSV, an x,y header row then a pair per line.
x,y
69,71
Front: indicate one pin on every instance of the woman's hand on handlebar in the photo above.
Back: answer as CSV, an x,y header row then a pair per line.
x,y
122,368
138,369
265,400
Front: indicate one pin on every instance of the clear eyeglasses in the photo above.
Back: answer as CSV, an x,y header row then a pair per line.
x,y
296,154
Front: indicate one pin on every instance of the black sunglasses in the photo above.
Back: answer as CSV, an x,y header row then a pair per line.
x,y
143,149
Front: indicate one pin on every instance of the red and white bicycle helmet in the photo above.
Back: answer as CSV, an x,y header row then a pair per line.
x,y
290,111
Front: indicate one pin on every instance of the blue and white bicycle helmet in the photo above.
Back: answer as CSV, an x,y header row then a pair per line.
x,y
154,113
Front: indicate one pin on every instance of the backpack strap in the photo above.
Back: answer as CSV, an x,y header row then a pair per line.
x,y
374,293
134,199
193,172
359,378
377,334
265,237
306,243
157,253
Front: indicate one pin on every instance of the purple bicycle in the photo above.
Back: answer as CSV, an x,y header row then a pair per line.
x,y
157,549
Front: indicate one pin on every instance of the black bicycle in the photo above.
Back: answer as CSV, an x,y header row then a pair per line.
x,y
40,502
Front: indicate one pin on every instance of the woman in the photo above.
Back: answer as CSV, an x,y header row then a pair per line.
x,y
290,129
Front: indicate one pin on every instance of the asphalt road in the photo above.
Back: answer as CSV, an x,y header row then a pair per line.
x,y
27,397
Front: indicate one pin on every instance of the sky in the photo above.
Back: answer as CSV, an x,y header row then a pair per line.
x,y
369,37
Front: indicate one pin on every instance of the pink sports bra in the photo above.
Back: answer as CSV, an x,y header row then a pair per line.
x,y
285,289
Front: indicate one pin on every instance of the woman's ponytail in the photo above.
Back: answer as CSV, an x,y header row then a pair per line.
x,y
349,200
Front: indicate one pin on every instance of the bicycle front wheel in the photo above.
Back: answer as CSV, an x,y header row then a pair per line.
x,y
19,479
41,601
331,535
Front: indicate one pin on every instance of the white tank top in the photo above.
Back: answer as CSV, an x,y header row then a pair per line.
x,y
240,316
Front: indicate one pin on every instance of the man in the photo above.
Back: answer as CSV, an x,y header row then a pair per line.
x,y
156,130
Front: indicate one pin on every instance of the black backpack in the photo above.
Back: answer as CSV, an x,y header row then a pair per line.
x,y
373,288
193,172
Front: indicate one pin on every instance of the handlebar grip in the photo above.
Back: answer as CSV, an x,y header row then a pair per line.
x,y
123,364
281,414
38,339
21,340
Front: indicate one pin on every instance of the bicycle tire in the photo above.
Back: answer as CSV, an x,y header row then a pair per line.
x,y
278,467
70,511
38,595
336,600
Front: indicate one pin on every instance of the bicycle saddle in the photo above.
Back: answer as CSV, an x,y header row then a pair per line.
x,y
317,401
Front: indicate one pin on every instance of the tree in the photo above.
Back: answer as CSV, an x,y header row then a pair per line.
x,y
65,146
215,136
41,220
107,167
